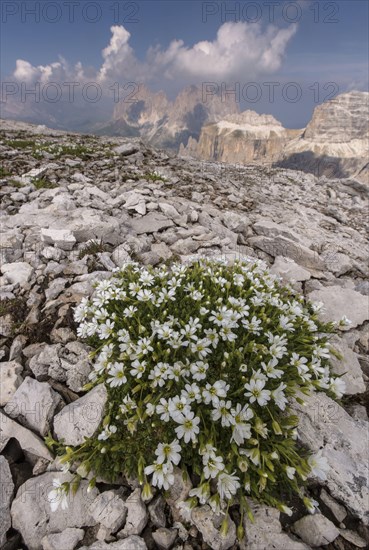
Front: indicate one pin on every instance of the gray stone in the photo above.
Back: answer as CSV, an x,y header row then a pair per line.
x,y
353,538
10,380
67,540
340,301
280,246
337,510
18,272
151,223
31,509
165,538
156,511
81,418
61,238
168,210
349,364
265,532
325,425
33,405
126,149
137,515
45,361
6,488
289,270
162,250
31,444
109,510
6,325
130,543
272,229
120,255
315,530
209,523
178,492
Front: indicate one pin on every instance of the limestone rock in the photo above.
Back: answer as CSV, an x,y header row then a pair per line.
x,y
209,525
81,418
340,301
61,238
280,246
164,538
325,425
18,272
137,515
289,270
156,511
130,543
30,443
348,364
266,531
109,510
33,405
337,510
31,509
178,492
353,538
7,487
66,540
315,530
151,223
10,380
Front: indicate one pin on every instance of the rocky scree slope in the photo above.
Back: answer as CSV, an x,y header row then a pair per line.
x,y
74,208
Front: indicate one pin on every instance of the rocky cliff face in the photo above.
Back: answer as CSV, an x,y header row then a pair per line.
x,y
167,124
241,138
335,143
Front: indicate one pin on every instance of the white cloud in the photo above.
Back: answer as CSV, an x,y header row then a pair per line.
x,y
240,51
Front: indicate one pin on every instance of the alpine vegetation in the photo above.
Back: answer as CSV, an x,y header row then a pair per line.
x,y
201,362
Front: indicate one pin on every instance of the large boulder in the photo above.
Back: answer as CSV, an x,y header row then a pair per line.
x,y
340,301
31,510
325,425
81,418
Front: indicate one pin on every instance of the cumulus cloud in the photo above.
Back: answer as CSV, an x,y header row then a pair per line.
x,y
239,51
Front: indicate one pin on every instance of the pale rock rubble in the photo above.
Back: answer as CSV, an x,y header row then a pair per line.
x,y
124,201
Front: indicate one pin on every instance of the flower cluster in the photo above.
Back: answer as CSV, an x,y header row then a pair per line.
x,y
201,362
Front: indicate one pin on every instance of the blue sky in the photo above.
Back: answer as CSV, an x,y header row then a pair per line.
x,y
312,41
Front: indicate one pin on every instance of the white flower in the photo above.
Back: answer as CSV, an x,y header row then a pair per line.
x,y
270,369
150,409
227,485
241,429
162,474
222,411
191,393
319,465
106,329
57,496
338,387
212,393
201,347
286,324
212,465
145,295
168,452
117,373
163,410
178,406
202,493
138,368
188,428
256,392
198,370
106,433
129,311
279,396
290,472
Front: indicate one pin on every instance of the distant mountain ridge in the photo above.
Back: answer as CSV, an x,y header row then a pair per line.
x,y
164,123
335,143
